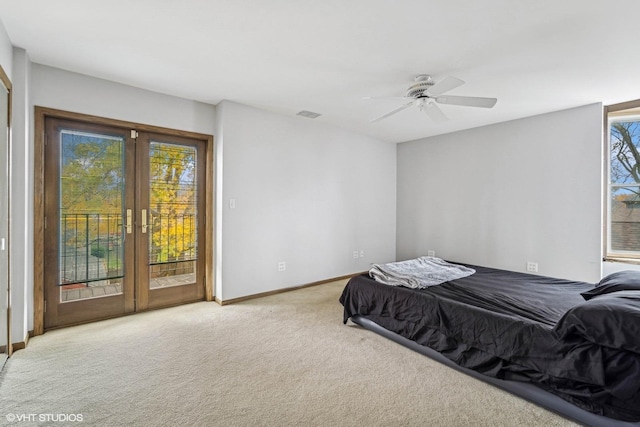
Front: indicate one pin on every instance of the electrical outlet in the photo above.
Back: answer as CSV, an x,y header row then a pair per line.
x,y
282,266
532,267
361,254
356,254
431,253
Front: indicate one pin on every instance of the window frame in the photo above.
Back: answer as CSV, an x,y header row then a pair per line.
x,y
607,253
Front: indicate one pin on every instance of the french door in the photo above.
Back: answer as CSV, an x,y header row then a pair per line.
x,y
124,221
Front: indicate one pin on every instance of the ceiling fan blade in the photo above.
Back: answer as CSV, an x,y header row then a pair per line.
x,y
394,111
434,112
467,101
444,85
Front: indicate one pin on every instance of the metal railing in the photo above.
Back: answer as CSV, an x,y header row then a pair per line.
x,y
91,246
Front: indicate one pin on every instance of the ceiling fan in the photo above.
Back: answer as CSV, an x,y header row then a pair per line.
x,y
424,93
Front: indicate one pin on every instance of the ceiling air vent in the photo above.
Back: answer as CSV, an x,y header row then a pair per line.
x,y
308,114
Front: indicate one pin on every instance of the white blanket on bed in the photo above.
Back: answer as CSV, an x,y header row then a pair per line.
x,y
418,273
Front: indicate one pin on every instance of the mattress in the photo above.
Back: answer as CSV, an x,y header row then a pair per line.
x,y
511,326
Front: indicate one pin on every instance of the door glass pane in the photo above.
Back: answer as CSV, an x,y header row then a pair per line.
x,y
91,232
173,249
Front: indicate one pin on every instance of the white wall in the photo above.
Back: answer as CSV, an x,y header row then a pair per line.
x,y
219,204
6,52
21,200
64,90
502,195
612,267
307,194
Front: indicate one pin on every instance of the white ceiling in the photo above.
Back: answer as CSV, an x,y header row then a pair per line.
x,y
535,56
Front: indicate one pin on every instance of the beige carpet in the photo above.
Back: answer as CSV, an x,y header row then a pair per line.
x,y
283,360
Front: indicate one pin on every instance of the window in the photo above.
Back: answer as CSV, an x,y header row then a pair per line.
x,y
623,179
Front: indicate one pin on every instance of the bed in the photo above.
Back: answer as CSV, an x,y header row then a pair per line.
x,y
569,346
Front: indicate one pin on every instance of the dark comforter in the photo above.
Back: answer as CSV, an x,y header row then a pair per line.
x,y
522,327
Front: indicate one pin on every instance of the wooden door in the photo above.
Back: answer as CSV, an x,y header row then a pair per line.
x,y
171,220
124,221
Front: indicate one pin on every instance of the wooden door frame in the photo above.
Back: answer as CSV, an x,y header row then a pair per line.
x,y
40,116
4,78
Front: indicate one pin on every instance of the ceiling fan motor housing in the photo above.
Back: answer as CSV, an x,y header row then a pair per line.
x,y
422,83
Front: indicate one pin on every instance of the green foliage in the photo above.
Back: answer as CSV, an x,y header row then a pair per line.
x,y
92,174
98,251
173,202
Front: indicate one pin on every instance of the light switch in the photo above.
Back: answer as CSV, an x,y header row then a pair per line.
x,y
232,203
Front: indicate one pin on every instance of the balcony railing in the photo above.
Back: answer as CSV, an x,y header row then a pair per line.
x,y
92,247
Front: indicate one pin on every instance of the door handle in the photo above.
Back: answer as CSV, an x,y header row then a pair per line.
x,y
144,220
129,226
